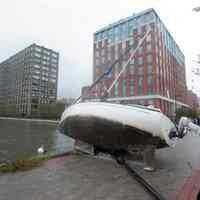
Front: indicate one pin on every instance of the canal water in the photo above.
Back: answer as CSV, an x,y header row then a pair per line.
x,y
21,139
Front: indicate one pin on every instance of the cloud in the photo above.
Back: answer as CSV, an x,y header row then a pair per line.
x,y
68,27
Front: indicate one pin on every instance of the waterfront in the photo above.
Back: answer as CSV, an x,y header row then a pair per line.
x,y
20,139
87,178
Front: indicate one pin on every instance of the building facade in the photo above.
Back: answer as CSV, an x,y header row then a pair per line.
x,y
192,100
156,74
29,79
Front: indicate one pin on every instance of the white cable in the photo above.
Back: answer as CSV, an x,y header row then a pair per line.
x,y
131,57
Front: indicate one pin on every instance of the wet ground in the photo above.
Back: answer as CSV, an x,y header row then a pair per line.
x,y
87,178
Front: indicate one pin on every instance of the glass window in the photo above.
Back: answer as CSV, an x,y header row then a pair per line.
x,y
130,28
131,67
148,48
140,85
149,68
140,60
139,30
98,36
124,29
38,55
149,84
38,49
110,36
131,41
140,70
132,61
131,87
123,46
55,55
124,88
104,34
116,89
148,38
149,58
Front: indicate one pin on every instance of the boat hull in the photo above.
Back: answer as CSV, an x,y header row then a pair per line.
x,y
107,134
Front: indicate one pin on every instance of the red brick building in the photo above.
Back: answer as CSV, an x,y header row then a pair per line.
x,y
156,74
192,100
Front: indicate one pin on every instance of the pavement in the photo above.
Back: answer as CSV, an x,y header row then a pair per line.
x,y
81,177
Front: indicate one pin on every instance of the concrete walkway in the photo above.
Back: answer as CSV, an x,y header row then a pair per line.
x,y
76,177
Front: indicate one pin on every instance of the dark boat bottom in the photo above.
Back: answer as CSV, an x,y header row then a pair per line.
x,y
108,136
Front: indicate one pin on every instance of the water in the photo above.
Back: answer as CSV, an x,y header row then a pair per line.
x,y
21,139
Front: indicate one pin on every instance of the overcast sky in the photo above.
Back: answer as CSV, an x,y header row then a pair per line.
x,y
68,26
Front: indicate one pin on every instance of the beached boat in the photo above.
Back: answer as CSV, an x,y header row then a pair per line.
x,y
114,127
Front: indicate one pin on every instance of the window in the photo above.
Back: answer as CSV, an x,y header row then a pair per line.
x,y
45,68
37,72
148,48
116,89
139,31
140,70
140,60
140,86
38,49
38,55
123,46
149,58
131,41
37,66
54,60
124,30
109,54
131,87
150,102
55,55
117,33
149,84
124,88
131,67
36,77
104,35
130,28
53,70
110,36
103,60
140,50
98,36
148,38
149,68
44,62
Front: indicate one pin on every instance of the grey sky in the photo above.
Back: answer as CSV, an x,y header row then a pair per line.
x,y
68,27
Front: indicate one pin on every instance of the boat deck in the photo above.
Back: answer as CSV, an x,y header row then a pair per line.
x,y
81,177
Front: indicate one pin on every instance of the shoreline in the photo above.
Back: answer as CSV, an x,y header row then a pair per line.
x,y
30,119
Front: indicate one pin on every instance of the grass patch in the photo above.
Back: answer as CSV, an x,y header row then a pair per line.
x,y
28,164
19,165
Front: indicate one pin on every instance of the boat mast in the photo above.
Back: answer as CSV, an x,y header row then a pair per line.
x,y
113,65
128,61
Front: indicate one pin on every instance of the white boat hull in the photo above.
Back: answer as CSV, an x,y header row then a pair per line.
x,y
116,127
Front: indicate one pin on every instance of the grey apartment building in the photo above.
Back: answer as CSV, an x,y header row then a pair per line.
x,y
29,78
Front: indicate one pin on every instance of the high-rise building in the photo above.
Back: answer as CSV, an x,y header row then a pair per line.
x,y
156,74
29,79
192,100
